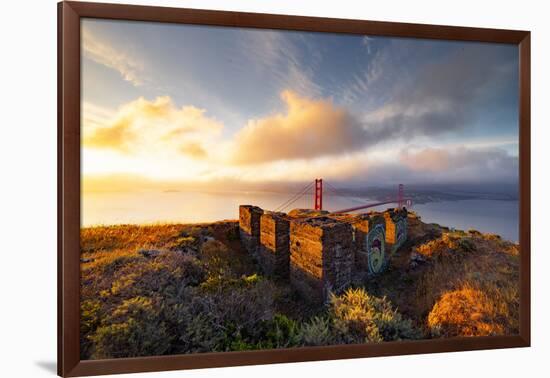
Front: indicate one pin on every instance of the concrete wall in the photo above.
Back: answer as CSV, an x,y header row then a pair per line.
x,y
396,228
377,251
249,227
274,252
321,253
321,256
368,229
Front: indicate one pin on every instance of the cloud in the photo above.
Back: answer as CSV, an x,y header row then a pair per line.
x,y
312,128
94,115
310,138
144,126
414,88
464,164
309,128
444,95
281,60
429,159
117,136
367,42
101,52
459,164
194,150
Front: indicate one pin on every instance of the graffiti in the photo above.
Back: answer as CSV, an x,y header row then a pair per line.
x,y
401,232
376,245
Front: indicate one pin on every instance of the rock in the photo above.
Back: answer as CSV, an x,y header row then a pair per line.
x,y
189,251
416,259
149,253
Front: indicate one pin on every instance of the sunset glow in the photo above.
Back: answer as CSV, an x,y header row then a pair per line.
x,y
274,106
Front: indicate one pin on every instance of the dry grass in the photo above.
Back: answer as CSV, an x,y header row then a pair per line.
x,y
470,286
456,264
467,312
197,285
193,288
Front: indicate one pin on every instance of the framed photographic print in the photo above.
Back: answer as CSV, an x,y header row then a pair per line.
x,y
239,188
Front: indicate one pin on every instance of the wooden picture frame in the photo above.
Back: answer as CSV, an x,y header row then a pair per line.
x,y
69,90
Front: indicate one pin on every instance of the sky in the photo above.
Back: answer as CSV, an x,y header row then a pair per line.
x,y
213,106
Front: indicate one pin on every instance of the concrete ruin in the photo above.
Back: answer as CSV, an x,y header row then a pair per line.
x,y
274,249
321,253
370,248
396,228
321,256
249,227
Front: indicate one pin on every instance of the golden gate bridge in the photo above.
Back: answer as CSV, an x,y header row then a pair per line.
x,y
318,186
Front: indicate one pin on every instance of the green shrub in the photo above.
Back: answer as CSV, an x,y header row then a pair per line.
x,y
90,311
183,242
280,332
193,272
217,283
317,332
222,320
214,255
466,245
233,234
165,275
360,318
251,280
119,262
194,323
90,316
134,329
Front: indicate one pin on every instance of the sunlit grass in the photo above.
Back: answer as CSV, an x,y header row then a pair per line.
x,y
173,288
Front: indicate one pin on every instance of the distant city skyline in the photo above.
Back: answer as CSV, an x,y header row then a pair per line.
x,y
203,105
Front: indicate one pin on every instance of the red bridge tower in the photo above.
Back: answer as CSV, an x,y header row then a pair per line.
x,y
318,194
401,196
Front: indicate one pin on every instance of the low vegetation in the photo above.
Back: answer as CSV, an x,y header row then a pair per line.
x,y
171,289
454,283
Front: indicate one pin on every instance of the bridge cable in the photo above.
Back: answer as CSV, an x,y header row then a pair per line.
x,y
294,197
293,201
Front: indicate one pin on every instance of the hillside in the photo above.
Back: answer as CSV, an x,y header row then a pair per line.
x,y
169,289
